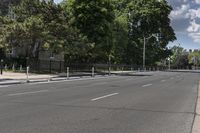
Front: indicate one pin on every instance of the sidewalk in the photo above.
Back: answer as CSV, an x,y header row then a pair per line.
x,y
196,126
17,78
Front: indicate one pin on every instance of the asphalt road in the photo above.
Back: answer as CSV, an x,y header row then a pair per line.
x,y
161,103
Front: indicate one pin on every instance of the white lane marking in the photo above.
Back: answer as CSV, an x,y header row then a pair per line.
x,y
163,80
24,93
98,98
147,85
172,78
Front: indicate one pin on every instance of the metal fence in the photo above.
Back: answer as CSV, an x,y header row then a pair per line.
x,y
53,66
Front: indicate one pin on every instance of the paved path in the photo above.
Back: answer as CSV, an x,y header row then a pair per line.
x,y
22,76
162,103
196,126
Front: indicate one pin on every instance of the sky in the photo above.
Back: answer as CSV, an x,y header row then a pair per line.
x,y
57,1
185,20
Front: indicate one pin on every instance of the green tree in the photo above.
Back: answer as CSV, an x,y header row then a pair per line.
x,y
94,19
147,18
40,25
194,57
179,57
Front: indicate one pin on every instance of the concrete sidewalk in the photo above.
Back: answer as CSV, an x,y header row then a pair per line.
x,y
17,78
23,76
196,126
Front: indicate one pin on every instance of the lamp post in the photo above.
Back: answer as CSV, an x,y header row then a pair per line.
x,y
144,47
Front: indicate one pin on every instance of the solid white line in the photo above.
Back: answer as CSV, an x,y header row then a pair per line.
x,y
24,93
95,99
147,85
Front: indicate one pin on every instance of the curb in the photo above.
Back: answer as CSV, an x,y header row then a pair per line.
x,y
196,124
41,80
11,83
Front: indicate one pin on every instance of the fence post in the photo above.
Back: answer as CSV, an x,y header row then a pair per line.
x,y
67,73
92,71
27,74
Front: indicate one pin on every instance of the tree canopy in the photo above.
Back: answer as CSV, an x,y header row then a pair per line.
x,y
96,31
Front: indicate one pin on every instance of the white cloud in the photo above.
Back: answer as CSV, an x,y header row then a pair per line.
x,y
195,37
193,27
193,13
194,31
180,12
197,1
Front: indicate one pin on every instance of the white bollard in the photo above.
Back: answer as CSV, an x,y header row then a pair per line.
x,y
92,71
6,67
13,67
109,69
27,74
20,69
67,73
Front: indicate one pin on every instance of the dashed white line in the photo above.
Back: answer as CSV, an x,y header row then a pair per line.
x,y
147,85
172,78
98,98
163,80
25,93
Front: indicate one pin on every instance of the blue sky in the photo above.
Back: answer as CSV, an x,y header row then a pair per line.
x,y
57,1
185,21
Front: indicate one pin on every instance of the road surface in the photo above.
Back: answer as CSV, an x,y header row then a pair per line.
x,y
161,103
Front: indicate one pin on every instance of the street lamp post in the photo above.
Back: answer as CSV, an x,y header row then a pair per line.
x,y
144,47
